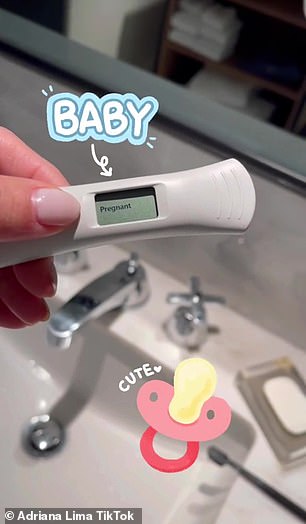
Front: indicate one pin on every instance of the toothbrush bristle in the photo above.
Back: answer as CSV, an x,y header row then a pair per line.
x,y
217,455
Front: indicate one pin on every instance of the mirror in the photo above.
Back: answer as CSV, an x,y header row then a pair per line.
x,y
221,51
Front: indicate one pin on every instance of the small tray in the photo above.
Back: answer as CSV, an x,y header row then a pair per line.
x,y
289,449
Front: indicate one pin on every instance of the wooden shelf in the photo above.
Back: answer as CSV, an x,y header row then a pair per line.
x,y
179,62
288,11
231,68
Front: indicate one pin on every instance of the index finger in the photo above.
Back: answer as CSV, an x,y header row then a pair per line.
x,y
19,160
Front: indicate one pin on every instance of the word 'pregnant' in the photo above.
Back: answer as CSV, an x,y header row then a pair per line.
x,y
113,118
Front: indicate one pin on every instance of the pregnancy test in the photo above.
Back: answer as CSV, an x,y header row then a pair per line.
x,y
219,198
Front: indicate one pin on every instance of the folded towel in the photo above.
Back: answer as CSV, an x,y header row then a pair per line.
x,y
231,93
194,7
203,46
222,37
219,17
223,88
186,22
259,108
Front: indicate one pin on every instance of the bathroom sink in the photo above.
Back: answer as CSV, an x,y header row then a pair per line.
x,y
100,464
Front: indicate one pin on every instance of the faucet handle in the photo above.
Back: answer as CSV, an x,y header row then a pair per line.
x,y
195,297
187,325
134,271
133,263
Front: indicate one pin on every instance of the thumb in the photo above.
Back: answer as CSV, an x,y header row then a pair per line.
x,y
31,209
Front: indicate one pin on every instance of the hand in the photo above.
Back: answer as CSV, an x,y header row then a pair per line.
x,y
31,206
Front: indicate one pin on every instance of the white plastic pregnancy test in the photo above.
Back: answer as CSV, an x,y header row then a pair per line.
x,y
212,199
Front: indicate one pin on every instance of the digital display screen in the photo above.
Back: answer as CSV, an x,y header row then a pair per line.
x,y
126,206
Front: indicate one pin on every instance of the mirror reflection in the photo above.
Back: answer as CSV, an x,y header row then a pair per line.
x,y
244,54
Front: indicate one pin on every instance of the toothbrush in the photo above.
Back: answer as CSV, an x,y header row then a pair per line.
x,y
219,457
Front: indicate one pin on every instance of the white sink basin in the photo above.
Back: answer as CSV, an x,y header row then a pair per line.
x,y
100,464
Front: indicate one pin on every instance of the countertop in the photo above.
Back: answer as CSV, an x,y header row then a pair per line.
x,y
239,344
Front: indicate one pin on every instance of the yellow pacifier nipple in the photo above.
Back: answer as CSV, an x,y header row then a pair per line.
x,y
195,381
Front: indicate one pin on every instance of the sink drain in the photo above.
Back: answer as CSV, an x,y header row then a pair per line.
x,y
43,436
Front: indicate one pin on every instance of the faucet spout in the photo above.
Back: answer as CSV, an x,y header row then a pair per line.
x,y
125,286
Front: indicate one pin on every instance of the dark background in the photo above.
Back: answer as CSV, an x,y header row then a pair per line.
x,y
50,14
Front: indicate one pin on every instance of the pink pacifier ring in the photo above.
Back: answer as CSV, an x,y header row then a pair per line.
x,y
163,464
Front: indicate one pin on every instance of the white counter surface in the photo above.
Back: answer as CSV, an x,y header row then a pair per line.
x,y
239,344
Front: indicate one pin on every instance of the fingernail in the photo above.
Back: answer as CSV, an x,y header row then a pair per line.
x,y
46,315
54,207
53,279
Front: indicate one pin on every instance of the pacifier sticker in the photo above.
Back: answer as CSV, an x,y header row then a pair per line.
x,y
113,118
187,411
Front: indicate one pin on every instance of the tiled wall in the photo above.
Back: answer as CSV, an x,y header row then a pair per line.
x,y
262,274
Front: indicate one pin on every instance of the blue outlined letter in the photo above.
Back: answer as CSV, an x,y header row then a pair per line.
x,y
113,118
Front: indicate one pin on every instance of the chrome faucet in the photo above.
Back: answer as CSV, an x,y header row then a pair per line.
x,y
125,286
187,325
71,262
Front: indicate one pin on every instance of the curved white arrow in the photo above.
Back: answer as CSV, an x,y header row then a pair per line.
x,y
103,163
